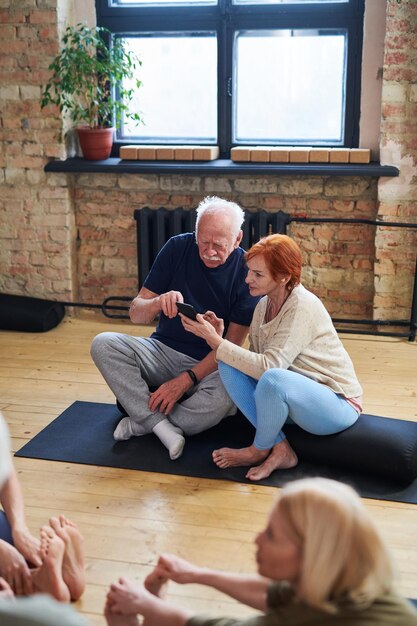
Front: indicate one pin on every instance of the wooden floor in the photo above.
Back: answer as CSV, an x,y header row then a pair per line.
x,y
129,517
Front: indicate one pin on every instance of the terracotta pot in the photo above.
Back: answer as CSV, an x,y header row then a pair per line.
x,y
96,143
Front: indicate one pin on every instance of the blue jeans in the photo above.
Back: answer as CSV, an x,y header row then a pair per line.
x,y
5,530
281,396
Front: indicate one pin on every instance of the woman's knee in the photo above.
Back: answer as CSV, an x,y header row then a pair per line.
x,y
273,382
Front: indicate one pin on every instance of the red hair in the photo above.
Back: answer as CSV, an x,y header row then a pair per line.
x,y
282,256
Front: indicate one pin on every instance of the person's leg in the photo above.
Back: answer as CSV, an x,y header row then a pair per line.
x,y
282,394
314,407
5,528
206,405
241,388
130,365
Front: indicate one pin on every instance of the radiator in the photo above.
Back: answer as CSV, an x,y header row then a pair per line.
x,y
155,226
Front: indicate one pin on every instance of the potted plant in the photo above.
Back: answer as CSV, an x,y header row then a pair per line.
x,y
85,76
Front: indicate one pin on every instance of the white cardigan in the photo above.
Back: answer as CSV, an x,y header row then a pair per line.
x,y
300,338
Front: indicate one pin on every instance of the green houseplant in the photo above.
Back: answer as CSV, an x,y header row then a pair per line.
x,y
85,76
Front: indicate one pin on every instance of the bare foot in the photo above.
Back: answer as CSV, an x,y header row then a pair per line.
x,y
282,456
234,457
116,619
48,577
73,563
156,584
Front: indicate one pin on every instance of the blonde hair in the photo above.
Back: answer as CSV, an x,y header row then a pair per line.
x,y
343,554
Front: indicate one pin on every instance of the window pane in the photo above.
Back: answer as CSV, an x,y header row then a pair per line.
x,y
289,86
141,3
178,98
287,1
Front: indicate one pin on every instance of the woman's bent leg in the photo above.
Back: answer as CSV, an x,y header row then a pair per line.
x,y
314,407
241,389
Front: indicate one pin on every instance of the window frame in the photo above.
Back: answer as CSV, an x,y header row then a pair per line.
x,y
225,18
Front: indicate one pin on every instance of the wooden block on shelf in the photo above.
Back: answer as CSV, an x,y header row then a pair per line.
x,y
279,154
299,155
184,153
165,153
129,152
241,153
259,154
206,153
147,153
339,155
359,155
319,155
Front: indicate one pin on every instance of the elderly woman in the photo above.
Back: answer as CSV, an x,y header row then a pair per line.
x,y
296,368
321,562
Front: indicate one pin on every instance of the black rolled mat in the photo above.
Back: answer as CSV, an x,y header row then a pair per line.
x,y
83,433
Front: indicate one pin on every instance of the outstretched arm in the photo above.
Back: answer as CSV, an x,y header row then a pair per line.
x,y
12,501
248,589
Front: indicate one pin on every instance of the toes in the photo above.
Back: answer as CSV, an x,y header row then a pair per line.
x,y
54,523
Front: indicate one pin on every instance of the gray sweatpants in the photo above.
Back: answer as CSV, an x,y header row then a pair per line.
x,y
130,365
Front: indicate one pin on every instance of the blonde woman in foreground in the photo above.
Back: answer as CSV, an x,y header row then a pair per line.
x,y
321,562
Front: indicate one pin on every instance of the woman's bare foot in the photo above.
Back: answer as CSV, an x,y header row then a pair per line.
x,y
282,456
156,584
116,619
73,564
234,457
48,577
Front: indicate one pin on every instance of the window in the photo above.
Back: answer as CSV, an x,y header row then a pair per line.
x,y
243,72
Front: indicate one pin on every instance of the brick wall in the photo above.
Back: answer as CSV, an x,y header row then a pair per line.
x,y
37,231
338,259
74,236
396,249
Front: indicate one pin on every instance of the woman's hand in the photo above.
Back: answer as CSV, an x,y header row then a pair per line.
x,y
126,597
171,567
14,569
27,545
216,322
6,592
207,330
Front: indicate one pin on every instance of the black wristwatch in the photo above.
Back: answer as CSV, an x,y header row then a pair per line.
x,y
193,377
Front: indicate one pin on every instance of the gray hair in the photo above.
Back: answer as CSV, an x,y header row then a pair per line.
x,y
212,205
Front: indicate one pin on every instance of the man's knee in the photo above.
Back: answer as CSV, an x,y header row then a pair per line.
x,y
100,346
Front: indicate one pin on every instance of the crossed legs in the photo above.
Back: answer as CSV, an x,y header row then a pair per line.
x,y
279,395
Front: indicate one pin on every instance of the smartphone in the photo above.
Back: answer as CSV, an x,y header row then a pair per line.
x,y
187,309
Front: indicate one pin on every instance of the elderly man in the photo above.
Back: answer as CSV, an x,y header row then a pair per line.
x,y
207,270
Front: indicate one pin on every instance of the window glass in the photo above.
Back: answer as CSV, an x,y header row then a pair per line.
x,y
289,86
178,96
286,1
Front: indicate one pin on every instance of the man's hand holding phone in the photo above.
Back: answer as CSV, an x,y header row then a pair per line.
x,y
168,302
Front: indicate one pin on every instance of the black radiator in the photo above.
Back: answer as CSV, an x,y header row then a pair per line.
x,y
155,226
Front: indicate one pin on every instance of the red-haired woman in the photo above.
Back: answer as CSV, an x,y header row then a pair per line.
x,y
296,369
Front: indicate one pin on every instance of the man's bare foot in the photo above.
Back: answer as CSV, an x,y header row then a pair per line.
x,y
234,457
282,456
156,584
116,619
73,572
48,577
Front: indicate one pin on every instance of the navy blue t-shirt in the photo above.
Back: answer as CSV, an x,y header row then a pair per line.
x,y
221,289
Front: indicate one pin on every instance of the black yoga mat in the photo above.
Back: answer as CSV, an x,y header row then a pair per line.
x,y
83,433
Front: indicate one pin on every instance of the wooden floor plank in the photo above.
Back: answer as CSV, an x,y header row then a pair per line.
x,y
127,517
